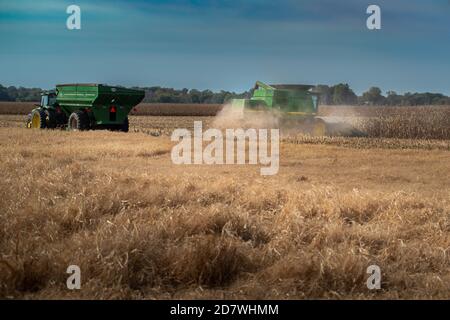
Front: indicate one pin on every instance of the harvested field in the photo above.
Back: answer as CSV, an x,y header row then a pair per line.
x,y
428,122
143,109
21,108
181,109
174,109
141,227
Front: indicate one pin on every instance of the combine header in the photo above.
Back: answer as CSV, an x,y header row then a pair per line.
x,y
294,106
85,106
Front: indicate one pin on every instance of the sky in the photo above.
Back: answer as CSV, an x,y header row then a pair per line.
x,y
227,45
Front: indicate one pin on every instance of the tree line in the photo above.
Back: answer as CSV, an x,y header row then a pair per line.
x,y
19,94
340,94
170,95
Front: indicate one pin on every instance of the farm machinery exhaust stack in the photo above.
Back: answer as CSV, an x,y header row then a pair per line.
x,y
85,106
294,106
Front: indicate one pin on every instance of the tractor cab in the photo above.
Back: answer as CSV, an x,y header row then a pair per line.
x,y
48,99
48,113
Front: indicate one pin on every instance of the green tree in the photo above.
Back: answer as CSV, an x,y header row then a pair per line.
x,y
195,96
393,99
373,97
342,94
4,96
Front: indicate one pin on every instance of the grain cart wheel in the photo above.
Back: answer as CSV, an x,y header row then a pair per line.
x,y
50,119
125,125
78,120
38,119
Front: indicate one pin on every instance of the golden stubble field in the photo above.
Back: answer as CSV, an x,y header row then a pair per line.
x,y
140,227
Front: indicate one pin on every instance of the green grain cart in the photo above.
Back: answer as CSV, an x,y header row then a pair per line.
x,y
84,107
293,105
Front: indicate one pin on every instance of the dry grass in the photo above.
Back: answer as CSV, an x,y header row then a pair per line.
x,y
140,227
369,143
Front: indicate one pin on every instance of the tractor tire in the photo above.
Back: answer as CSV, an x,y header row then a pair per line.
x,y
125,125
61,119
28,123
78,120
51,121
38,119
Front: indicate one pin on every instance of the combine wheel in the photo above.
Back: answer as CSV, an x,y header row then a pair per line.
x,y
37,119
78,120
320,128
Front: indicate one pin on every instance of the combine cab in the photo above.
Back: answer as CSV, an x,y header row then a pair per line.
x,y
85,106
294,107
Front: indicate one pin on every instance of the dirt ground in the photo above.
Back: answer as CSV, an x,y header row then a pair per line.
x,y
141,227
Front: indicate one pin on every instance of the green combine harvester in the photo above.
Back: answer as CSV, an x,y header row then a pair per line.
x,y
294,106
84,107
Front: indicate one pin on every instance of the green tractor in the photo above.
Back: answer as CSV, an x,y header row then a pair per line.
x,y
84,107
294,106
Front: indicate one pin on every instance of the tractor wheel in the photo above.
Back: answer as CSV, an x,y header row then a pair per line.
x,y
28,123
78,120
61,119
50,119
125,125
38,117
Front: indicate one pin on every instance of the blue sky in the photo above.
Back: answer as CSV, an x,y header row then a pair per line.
x,y
227,44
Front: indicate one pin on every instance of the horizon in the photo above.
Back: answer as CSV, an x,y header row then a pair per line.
x,y
383,93
227,46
